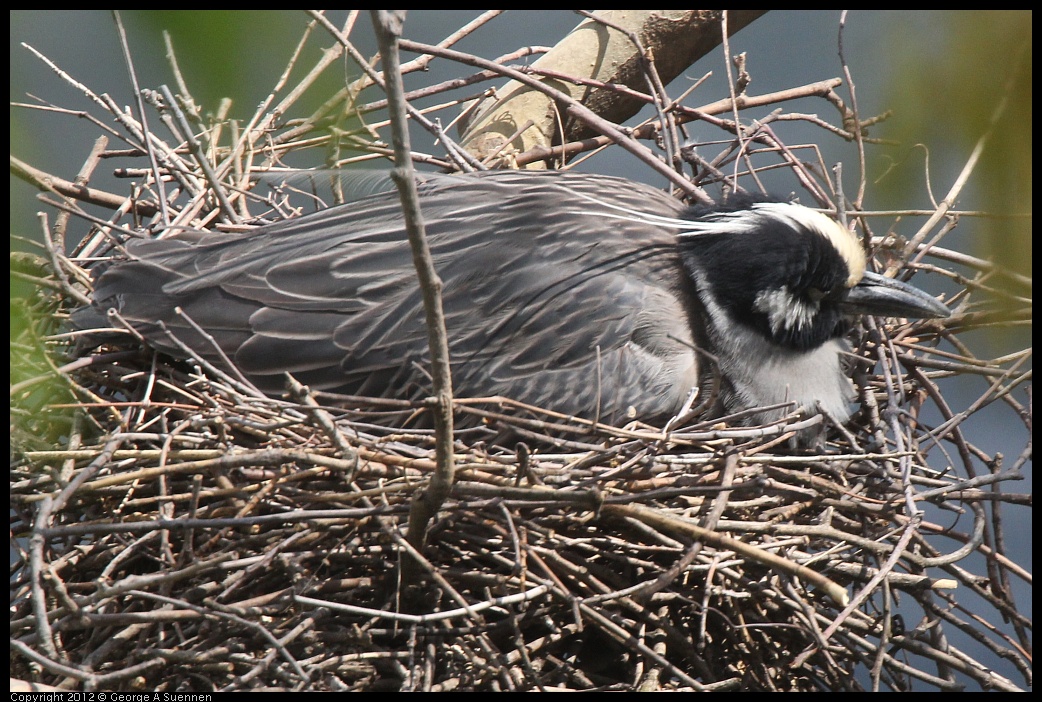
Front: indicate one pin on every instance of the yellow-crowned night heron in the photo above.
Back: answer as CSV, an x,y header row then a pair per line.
x,y
590,295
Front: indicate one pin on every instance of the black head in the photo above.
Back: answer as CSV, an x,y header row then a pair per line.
x,y
789,273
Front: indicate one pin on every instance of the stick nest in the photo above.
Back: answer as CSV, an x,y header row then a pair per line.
x,y
179,532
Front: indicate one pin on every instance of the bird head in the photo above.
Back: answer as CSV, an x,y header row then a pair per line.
x,y
789,274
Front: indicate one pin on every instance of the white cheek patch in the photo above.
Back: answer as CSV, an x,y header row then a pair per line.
x,y
785,311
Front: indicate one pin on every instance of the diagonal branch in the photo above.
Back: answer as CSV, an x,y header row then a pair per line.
x,y
676,39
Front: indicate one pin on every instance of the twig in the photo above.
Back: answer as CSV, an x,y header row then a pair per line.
x,y
388,25
574,108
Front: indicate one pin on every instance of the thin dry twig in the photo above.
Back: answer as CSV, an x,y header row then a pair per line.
x,y
388,25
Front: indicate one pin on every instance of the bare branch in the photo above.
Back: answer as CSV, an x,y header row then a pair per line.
x,y
677,38
388,25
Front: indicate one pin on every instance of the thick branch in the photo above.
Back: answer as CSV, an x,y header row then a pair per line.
x,y
675,38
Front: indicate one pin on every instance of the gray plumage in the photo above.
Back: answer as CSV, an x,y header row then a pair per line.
x,y
590,295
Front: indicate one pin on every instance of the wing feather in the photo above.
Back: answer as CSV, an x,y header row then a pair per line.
x,y
539,304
